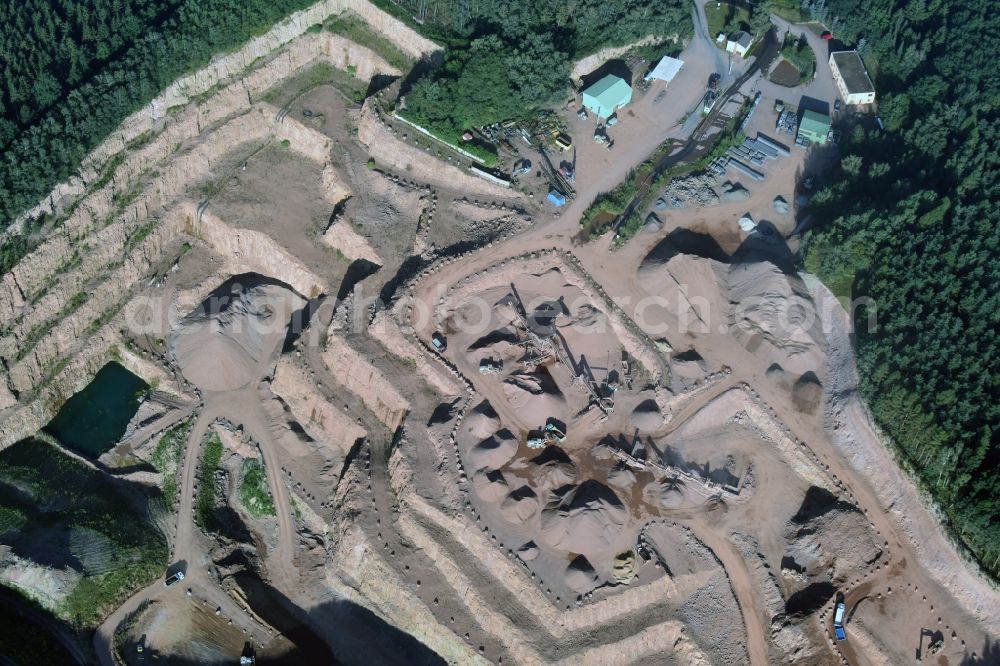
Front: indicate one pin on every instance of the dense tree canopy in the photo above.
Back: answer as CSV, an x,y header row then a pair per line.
x,y
911,220
577,27
511,57
71,72
492,80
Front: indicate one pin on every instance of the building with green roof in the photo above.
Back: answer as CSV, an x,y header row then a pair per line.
x,y
813,128
607,96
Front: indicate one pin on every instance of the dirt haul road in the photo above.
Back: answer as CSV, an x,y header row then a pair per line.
x,y
724,350
721,349
190,546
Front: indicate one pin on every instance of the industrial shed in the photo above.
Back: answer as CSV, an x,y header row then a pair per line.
x,y
607,96
666,69
813,128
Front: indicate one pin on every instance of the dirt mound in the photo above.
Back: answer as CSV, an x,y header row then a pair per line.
x,y
520,505
708,616
688,364
829,540
624,565
482,420
553,469
504,334
528,551
538,383
535,396
444,412
580,576
622,478
770,306
807,393
604,450
681,241
491,486
493,452
664,493
585,519
587,317
689,282
775,373
647,416
219,346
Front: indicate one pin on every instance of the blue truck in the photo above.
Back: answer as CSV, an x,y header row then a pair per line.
x,y
838,622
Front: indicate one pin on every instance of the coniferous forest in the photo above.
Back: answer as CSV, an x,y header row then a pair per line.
x,y
70,72
910,219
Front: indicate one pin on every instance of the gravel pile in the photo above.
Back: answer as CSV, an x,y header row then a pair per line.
x,y
698,190
485,231
711,616
734,192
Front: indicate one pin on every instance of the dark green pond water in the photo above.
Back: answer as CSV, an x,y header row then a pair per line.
x,y
93,420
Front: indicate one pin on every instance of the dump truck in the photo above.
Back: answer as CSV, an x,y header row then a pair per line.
x,y
550,433
838,621
488,366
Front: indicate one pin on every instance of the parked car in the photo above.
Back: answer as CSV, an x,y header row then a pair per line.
x,y
836,105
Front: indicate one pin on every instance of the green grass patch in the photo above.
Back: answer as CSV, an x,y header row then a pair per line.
x,y
611,203
790,10
12,519
797,51
78,299
354,28
254,493
167,458
98,528
725,18
204,507
320,74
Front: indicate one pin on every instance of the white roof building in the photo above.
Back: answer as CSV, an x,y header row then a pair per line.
x,y
666,69
739,43
851,77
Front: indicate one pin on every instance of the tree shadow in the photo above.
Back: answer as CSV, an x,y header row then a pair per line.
x,y
990,655
807,103
422,67
614,67
380,82
766,244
